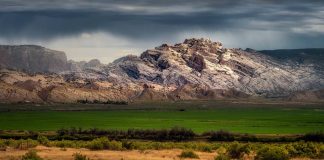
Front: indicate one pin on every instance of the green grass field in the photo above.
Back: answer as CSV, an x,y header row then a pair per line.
x,y
244,120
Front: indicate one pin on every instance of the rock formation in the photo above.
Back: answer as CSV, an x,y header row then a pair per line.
x,y
194,69
31,58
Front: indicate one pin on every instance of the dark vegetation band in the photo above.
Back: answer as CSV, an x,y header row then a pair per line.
x,y
173,134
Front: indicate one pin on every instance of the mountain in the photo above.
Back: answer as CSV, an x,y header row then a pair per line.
x,y
32,58
194,69
300,56
212,67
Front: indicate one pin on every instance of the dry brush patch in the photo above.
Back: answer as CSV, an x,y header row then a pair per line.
x,y
54,153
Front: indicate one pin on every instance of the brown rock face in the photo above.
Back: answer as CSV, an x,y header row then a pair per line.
x,y
149,93
190,91
196,62
13,94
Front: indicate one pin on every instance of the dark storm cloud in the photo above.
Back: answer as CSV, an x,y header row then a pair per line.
x,y
144,19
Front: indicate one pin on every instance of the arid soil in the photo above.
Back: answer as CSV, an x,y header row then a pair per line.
x,y
53,153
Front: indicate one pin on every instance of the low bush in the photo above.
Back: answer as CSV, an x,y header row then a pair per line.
x,y
206,148
272,153
79,156
104,143
237,150
99,144
220,136
43,140
3,145
31,155
65,144
303,149
321,152
174,134
188,154
24,144
223,157
128,145
115,145
315,137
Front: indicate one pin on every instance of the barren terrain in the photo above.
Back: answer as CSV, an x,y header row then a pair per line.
x,y
66,154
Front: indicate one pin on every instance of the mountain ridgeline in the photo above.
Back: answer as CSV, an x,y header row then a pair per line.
x,y
194,69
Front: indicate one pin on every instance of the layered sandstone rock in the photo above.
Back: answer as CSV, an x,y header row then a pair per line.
x,y
194,69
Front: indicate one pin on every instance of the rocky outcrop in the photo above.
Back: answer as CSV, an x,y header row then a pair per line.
x,y
31,58
149,93
208,65
192,92
93,64
37,59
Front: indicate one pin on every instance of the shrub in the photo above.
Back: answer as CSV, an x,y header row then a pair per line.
x,y
181,134
321,152
303,149
114,145
222,157
31,155
315,137
65,144
3,145
104,143
220,136
221,150
237,150
25,144
128,145
272,153
99,144
43,140
206,148
188,154
79,156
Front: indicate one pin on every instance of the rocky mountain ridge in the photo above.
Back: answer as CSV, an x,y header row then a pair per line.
x,y
37,59
194,69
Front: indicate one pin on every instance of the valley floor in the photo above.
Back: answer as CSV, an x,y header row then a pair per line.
x,y
200,116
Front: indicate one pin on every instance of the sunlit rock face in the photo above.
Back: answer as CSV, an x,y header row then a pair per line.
x,y
194,69
207,64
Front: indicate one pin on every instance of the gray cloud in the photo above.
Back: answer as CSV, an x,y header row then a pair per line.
x,y
298,23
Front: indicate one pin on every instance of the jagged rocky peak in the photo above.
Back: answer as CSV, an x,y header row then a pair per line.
x,y
191,52
94,63
202,42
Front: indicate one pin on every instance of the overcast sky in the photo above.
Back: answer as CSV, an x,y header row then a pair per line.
x,y
108,29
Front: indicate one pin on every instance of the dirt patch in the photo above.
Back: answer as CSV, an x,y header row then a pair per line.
x,y
53,153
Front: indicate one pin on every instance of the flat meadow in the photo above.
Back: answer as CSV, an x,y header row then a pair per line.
x,y
200,117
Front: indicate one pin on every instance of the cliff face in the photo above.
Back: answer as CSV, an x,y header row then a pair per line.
x,y
31,58
194,69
